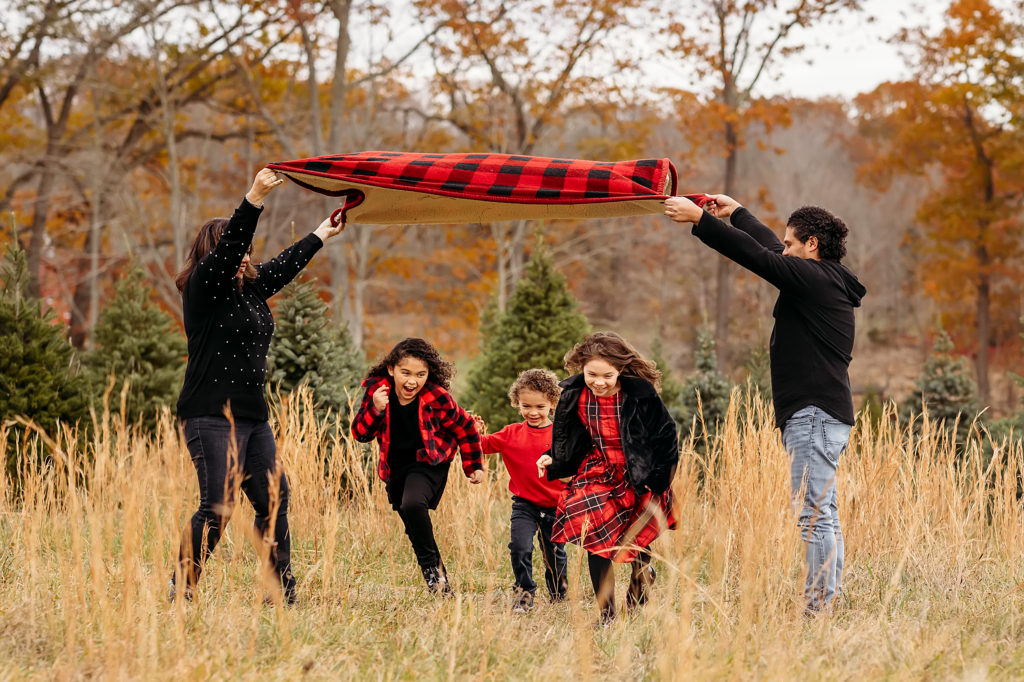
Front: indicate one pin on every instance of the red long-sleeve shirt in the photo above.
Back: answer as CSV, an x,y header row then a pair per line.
x,y
520,446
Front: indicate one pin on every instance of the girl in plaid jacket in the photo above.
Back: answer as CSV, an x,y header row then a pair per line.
x,y
419,427
614,438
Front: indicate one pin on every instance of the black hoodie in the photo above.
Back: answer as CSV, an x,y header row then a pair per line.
x,y
812,340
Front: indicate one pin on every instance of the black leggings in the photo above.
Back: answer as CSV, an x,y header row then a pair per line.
x,y
602,578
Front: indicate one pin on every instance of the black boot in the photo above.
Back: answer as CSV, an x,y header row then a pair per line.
x,y
437,580
288,587
188,594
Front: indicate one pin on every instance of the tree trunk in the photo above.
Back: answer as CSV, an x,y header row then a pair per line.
x,y
37,231
361,253
501,243
345,306
983,314
726,269
339,89
983,303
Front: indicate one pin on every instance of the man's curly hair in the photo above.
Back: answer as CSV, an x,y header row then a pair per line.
x,y
439,370
541,380
814,221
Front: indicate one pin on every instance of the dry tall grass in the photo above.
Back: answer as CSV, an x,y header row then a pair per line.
x,y
933,581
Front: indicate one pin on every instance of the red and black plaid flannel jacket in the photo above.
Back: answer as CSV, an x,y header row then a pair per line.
x,y
446,428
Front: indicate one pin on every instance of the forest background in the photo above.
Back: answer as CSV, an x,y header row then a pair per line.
x,y
124,126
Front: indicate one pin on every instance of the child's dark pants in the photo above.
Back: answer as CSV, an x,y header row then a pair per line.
x,y
527,519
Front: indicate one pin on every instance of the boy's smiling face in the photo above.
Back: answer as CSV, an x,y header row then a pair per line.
x,y
535,407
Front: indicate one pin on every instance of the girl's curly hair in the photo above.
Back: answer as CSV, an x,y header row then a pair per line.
x,y
617,352
439,370
542,381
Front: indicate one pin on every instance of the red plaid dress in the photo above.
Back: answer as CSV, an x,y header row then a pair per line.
x,y
601,511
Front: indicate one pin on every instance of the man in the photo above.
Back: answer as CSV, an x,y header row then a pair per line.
x,y
810,356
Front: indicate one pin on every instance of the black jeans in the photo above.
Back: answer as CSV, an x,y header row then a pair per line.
x,y
527,520
221,470
414,494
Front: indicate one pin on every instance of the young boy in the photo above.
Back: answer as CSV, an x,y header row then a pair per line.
x,y
535,393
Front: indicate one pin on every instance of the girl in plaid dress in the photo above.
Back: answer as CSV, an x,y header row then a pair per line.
x,y
614,438
407,409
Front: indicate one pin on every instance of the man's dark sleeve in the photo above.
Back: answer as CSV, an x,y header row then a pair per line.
x,y
737,245
743,219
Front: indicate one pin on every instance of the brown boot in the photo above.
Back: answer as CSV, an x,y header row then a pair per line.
x,y
640,582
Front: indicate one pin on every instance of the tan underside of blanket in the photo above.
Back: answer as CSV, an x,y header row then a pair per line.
x,y
384,206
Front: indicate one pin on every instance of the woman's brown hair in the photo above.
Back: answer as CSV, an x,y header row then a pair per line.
x,y
617,352
205,241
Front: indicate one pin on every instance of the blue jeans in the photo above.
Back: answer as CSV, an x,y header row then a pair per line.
x,y
815,440
249,465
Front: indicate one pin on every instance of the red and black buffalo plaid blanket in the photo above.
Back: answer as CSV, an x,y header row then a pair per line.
x,y
404,188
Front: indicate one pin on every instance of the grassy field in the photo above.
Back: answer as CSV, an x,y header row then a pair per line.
x,y
933,583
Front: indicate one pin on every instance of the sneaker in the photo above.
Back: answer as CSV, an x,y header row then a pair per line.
x,y
523,602
640,586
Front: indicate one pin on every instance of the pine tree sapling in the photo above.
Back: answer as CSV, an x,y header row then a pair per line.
x,y
1002,429
540,324
38,380
309,349
671,389
138,343
945,389
759,371
708,383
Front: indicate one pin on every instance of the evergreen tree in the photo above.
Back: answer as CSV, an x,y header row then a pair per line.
x,y
309,349
37,365
945,389
1014,423
708,382
136,342
1019,380
671,389
759,371
541,324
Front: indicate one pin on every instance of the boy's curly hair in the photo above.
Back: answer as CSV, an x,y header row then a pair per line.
x,y
814,221
439,370
541,380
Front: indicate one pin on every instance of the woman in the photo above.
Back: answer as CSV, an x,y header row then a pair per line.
x,y
222,407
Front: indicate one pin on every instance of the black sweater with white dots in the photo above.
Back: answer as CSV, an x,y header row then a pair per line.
x,y
229,328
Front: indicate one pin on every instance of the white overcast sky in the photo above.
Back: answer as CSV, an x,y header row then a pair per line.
x,y
843,58
857,56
